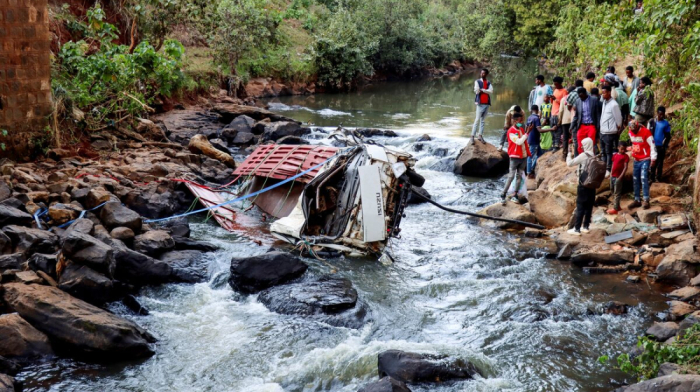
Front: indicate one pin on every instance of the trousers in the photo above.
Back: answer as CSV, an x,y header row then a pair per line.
x,y
640,175
481,112
585,199
608,143
516,168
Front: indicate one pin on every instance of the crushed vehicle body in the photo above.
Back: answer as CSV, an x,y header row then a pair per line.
x,y
352,202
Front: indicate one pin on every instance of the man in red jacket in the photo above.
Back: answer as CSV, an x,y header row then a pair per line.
x,y
644,154
518,151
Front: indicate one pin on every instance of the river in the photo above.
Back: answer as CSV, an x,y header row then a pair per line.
x,y
455,289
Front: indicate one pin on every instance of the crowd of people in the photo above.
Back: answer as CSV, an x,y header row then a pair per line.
x,y
586,122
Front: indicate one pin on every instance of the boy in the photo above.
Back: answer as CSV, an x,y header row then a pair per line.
x,y
534,128
620,160
508,123
589,83
661,129
546,109
518,152
644,154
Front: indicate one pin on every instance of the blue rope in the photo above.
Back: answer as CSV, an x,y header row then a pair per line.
x,y
243,197
82,214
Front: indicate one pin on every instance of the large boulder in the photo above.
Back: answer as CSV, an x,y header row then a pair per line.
x,y
11,262
241,124
184,243
178,227
670,383
679,265
139,269
603,256
663,331
511,211
87,250
280,129
97,196
12,216
188,265
252,274
43,262
82,225
481,160
80,328
29,241
329,300
87,284
115,215
552,209
18,339
7,383
154,242
386,384
413,367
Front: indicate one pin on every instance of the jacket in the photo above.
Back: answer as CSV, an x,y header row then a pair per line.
x,y
630,86
565,115
517,146
478,86
610,118
509,118
622,98
643,147
582,158
578,115
645,102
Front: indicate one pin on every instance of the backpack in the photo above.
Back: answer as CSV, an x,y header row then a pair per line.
x,y
592,173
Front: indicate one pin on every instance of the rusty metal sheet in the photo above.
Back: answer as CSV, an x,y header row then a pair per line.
x,y
225,215
284,161
278,202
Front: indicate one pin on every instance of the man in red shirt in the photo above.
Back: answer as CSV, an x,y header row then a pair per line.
x,y
644,154
483,90
518,151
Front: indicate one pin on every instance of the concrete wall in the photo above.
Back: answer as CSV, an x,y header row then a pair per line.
x,y
25,70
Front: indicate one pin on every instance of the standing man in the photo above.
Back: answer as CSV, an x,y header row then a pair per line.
x,y
622,102
644,154
610,123
661,129
644,108
518,152
586,122
509,123
541,90
631,82
483,90
565,116
559,100
589,83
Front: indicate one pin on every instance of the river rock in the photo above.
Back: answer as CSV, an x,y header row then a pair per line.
x,y
154,242
18,339
60,213
28,277
670,383
603,256
188,265
87,284
83,226
280,129
8,366
5,191
509,211
43,262
139,269
5,244
481,160
552,209
685,293
28,241
12,261
679,309
243,139
87,250
115,215
663,331
78,326
252,274
177,227
677,266
414,199
241,124
386,384
650,215
184,243
7,383
658,189
123,234
615,308
413,367
97,196
329,300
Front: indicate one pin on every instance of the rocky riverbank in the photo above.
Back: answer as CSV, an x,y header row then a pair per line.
x,y
648,247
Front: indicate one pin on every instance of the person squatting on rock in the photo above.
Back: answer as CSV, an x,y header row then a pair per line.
x,y
585,197
661,129
644,154
508,123
518,152
620,161
610,126
483,90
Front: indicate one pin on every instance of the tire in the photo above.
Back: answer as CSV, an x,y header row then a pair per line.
x,y
414,178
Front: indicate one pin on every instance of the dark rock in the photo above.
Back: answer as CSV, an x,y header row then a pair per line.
x,y
76,326
18,339
14,203
615,308
12,216
86,250
667,368
678,265
183,243
424,138
5,244
79,194
220,145
329,300
252,274
82,226
134,305
663,331
29,241
243,139
603,257
123,234
372,132
11,262
5,191
103,235
188,265
239,125
87,284
280,129
8,366
138,269
414,199
43,262
565,252
8,384
115,215
671,383
154,242
386,384
413,367
177,227
481,160
291,140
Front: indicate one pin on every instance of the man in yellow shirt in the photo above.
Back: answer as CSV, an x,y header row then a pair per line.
x,y
589,83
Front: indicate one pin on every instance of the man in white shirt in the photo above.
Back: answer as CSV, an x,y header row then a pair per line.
x,y
610,126
541,89
483,90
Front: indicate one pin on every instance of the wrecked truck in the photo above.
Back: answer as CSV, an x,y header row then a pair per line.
x,y
352,203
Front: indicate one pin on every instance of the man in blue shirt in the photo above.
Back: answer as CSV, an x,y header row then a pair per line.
x,y
534,127
661,129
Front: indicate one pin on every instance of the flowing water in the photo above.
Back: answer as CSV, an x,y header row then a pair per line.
x,y
455,289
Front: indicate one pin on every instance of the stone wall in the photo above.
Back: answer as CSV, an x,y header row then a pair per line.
x,y
25,70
